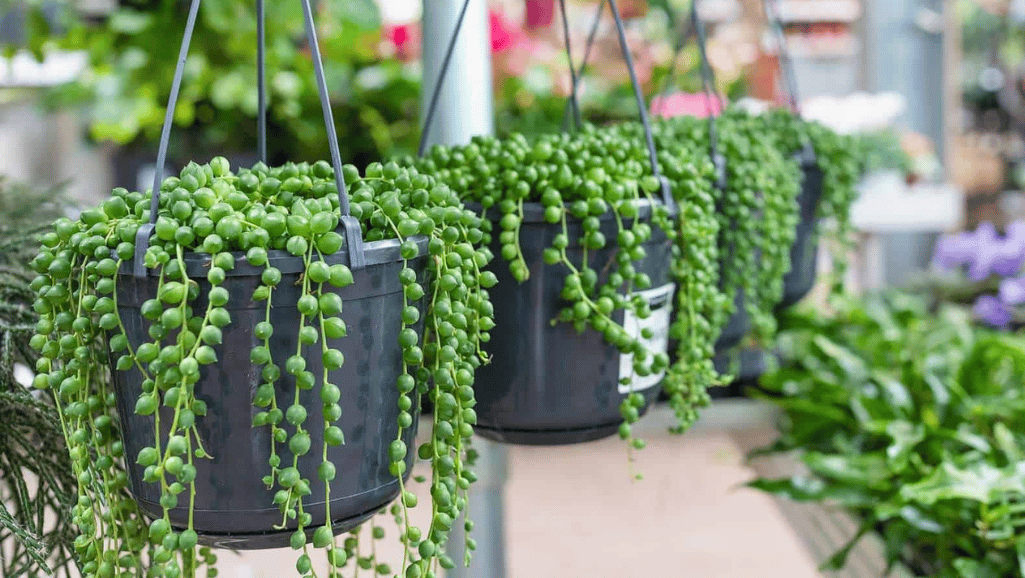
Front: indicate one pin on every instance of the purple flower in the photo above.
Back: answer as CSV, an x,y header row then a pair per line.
x,y
989,309
1009,257
955,250
983,251
1012,291
987,251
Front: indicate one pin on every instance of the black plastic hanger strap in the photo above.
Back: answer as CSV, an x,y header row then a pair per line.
x,y
261,81
350,226
146,230
786,67
579,75
642,109
574,103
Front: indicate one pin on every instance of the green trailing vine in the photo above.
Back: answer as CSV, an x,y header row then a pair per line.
x,y
757,210
249,218
842,161
579,179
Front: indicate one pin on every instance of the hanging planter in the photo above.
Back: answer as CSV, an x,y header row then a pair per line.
x,y
269,334
548,384
593,259
234,507
831,167
799,281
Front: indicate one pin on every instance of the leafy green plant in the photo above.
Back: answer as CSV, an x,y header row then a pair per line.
x,y
757,210
581,177
249,218
911,420
132,64
576,178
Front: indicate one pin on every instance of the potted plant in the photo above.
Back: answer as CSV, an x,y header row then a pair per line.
x,y
268,277
587,225
907,418
270,332
832,165
131,66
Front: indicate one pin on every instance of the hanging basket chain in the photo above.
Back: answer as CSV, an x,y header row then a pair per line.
x,y
574,103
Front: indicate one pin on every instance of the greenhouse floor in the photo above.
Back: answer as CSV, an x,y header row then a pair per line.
x,y
573,511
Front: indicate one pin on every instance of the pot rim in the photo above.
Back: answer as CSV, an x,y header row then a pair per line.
x,y
377,253
534,212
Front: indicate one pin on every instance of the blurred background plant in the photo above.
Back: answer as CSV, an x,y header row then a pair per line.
x,y
37,488
983,269
911,420
132,53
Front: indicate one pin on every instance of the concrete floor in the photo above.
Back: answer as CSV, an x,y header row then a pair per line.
x,y
574,512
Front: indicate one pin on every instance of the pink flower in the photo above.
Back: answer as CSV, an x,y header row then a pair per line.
x,y
684,104
503,34
401,36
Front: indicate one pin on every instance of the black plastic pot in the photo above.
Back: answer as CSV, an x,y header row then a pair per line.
x,y
737,326
233,507
547,384
803,255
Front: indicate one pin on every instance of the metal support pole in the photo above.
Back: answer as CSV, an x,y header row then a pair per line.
x,y
465,106
465,109
487,510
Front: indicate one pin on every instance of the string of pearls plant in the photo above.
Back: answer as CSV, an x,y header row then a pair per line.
x,y
842,161
250,216
578,179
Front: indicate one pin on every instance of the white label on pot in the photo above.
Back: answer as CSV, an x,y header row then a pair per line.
x,y
660,299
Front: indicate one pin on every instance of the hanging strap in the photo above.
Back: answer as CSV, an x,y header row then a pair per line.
x,y
574,103
350,226
786,68
261,81
696,28
642,109
432,107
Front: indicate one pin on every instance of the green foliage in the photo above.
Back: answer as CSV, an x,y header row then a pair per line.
x,y
259,212
757,210
841,158
23,208
583,177
883,151
579,180
133,54
913,421
36,487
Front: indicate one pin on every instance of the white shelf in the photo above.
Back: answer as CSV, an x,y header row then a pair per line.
x,y
888,205
809,11
23,71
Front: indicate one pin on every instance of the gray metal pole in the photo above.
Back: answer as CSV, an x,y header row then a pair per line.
x,y
465,109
